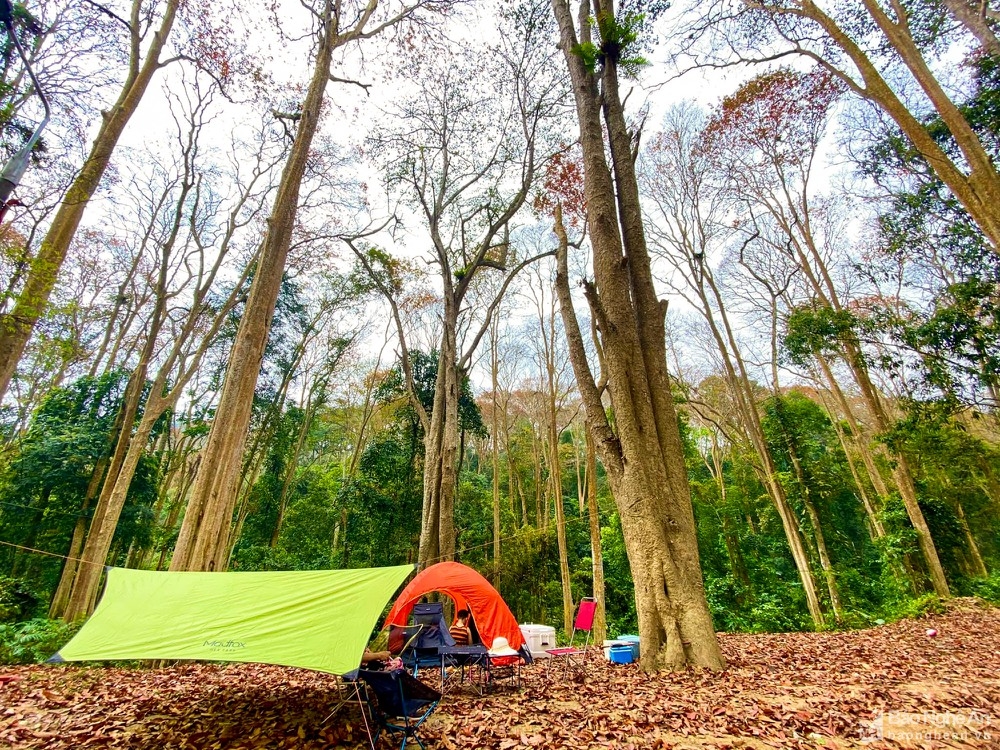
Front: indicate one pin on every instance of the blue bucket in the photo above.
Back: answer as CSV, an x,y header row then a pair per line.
x,y
621,654
633,641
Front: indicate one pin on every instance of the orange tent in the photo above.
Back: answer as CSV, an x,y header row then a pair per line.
x,y
470,591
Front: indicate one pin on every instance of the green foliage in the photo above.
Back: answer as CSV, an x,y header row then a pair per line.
x,y
927,604
43,485
17,600
987,588
949,347
959,339
816,329
425,368
33,641
618,42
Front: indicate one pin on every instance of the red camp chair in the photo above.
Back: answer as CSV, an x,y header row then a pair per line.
x,y
583,623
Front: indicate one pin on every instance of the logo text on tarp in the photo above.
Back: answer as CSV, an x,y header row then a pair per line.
x,y
229,645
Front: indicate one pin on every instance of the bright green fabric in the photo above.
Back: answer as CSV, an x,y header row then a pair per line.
x,y
318,619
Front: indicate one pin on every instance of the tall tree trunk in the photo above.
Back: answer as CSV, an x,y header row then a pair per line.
x,y
972,16
555,492
978,565
437,529
876,529
102,527
600,629
536,453
203,542
290,469
61,597
800,475
495,448
810,259
738,379
644,457
16,326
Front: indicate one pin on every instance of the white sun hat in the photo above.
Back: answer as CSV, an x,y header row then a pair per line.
x,y
501,647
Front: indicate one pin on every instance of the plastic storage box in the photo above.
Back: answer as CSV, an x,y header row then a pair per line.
x,y
633,641
607,647
539,638
621,654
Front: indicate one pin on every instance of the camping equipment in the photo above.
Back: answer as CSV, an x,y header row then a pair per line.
x,y
583,623
469,590
315,619
402,703
433,635
621,654
538,638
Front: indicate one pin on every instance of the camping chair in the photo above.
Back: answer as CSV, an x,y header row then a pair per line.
x,y
401,703
583,623
425,650
504,665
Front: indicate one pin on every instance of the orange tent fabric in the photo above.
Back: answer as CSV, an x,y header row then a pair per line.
x,y
470,591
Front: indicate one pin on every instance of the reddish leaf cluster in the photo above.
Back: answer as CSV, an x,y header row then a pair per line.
x,y
797,690
563,185
774,119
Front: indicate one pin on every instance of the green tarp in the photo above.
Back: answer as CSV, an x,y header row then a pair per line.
x,y
318,619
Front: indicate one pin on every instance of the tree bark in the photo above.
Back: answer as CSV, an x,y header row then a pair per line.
x,y
437,529
16,327
978,565
644,459
600,629
495,448
556,493
203,542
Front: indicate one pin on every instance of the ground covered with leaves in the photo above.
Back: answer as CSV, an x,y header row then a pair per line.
x,y
796,690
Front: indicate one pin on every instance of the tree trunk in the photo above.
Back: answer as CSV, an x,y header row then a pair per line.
x,y
536,453
600,629
978,565
901,473
495,449
970,15
555,492
739,382
644,458
16,326
105,521
203,542
437,529
61,597
800,475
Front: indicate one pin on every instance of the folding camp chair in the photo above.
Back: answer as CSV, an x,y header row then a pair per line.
x,y
425,650
401,703
402,638
504,665
583,623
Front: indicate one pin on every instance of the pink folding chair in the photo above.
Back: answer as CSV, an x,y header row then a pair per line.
x,y
584,623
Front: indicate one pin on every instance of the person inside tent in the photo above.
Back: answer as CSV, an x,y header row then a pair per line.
x,y
460,631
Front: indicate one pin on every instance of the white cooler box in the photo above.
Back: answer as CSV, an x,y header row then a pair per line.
x,y
539,638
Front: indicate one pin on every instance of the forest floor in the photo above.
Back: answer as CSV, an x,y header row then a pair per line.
x,y
794,690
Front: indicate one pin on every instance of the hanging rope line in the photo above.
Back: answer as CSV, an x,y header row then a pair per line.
x,y
49,554
515,535
520,532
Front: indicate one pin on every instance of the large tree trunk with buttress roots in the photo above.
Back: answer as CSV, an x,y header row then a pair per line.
x,y
643,455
